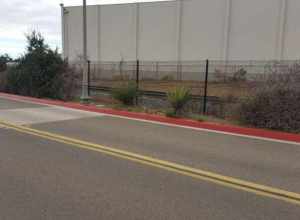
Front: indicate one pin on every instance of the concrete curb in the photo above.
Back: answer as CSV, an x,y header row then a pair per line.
x,y
230,129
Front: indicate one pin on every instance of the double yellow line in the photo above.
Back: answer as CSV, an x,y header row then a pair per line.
x,y
230,182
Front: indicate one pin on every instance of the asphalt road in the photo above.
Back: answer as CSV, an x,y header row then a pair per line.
x,y
271,163
44,179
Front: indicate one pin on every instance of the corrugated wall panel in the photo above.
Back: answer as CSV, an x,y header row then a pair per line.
x,y
214,29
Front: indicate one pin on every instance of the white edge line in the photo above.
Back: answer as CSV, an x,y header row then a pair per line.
x,y
25,101
163,123
53,105
209,130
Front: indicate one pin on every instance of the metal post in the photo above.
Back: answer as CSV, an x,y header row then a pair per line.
x,y
88,77
62,30
84,95
205,87
137,79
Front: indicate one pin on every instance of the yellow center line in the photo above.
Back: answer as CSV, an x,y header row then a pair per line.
x,y
227,181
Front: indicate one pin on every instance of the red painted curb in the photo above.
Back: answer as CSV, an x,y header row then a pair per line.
x,y
174,121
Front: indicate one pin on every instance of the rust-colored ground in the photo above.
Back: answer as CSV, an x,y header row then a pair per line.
x,y
218,89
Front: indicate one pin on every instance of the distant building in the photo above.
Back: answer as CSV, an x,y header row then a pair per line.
x,y
186,30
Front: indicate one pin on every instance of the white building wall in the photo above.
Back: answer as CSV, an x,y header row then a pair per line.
x,y
254,29
202,29
92,33
292,31
74,33
158,26
117,32
187,30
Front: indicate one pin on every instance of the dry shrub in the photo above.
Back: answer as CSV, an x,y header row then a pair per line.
x,y
121,77
223,76
167,78
275,104
3,81
71,80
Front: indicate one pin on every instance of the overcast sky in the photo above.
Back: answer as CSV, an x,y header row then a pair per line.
x,y
18,17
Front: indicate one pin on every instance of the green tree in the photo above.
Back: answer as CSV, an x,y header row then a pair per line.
x,y
4,59
39,72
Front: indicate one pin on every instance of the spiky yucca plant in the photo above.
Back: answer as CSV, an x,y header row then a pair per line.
x,y
178,98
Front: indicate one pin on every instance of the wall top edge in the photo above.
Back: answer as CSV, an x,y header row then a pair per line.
x,y
129,3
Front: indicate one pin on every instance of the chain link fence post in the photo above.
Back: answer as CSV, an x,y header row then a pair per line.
x,y
89,77
205,88
137,81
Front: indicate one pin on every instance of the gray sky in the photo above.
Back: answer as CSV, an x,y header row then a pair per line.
x,y
18,17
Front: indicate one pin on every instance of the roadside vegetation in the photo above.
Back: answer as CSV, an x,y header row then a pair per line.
x,y
126,93
4,60
276,105
178,98
40,72
272,102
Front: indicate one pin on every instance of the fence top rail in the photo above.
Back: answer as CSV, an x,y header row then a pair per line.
x,y
225,62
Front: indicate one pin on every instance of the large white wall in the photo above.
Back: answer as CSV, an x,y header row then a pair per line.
x,y
73,42
92,32
254,29
157,31
292,36
73,33
117,32
186,30
202,29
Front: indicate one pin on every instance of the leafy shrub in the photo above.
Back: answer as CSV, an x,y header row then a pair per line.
x,y
3,81
71,80
273,107
178,98
240,75
121,77
40,72
223,76
4,59
171,113
167,78
126,93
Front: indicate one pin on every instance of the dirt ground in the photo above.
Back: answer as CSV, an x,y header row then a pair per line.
x,y
217,89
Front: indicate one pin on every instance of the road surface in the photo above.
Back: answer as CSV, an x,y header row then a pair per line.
x,y
45,178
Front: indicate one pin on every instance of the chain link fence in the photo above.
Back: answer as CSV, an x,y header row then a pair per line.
x,y
216,85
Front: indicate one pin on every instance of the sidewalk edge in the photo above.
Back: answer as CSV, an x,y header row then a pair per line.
x,y
214,127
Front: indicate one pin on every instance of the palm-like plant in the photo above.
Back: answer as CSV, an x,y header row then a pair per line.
x,y
178,98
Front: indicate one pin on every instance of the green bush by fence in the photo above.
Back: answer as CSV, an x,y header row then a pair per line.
x,y
126,93
40,72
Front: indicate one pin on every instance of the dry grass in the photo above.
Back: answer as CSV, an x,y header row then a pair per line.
x,y
218,89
